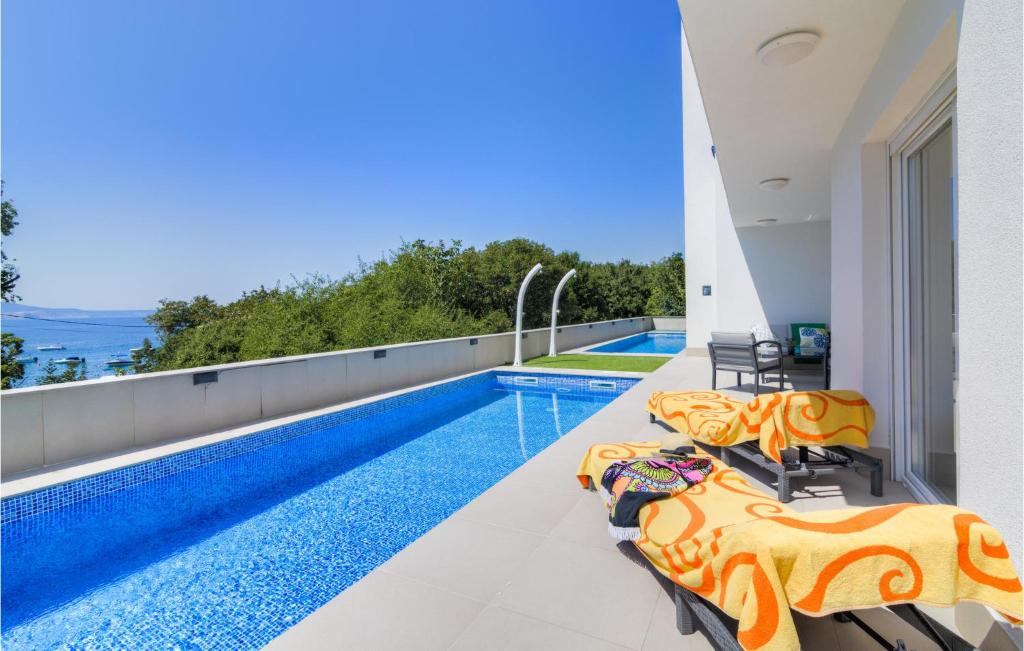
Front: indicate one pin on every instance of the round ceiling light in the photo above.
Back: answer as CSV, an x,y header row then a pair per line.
x,y
774,184
787,49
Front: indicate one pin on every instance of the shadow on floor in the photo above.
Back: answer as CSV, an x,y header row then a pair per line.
x,y
846,489
792,381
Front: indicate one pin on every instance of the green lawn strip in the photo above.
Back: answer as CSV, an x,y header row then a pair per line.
x,y
600,362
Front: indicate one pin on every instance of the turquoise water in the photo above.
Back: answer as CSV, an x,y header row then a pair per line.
x,y
661,343
228,546
96,344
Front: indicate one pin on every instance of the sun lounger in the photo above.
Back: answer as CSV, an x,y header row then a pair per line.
x,y
731,549
823,427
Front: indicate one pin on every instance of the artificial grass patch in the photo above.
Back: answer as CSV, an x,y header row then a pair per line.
x,y
600,362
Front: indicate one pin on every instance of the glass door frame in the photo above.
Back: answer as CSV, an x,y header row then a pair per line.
x,y
936,112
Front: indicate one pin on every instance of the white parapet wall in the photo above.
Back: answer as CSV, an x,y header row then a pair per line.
x,y
669,322
43,426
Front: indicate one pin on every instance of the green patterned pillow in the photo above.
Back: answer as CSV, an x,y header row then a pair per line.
x,y
812,337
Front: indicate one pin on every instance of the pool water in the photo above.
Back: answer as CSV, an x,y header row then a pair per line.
x,y
227,547
659,343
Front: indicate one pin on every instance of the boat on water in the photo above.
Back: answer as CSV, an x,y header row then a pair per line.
x,y
135,350
119,361
27,359
50,347
70,361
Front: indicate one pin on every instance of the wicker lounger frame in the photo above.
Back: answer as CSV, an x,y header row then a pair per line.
x,y
810,462
720,629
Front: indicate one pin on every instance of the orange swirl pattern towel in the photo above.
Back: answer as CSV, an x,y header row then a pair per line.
x,y
776,420
756,559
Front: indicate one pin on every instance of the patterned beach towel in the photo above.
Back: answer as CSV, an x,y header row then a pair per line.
x,y
629,484
776,421
756,559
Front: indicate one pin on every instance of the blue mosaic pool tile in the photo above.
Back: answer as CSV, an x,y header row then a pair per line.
x,y
227,546
55,497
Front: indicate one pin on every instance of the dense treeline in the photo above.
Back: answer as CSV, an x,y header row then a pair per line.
x,y
420,291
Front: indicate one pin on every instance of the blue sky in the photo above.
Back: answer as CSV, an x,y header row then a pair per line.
x,y
172,148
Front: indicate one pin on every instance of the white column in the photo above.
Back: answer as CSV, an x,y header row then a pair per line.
x,y
990,252
518,360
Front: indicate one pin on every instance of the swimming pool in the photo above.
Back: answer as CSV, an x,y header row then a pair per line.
x,y
226,546
659,343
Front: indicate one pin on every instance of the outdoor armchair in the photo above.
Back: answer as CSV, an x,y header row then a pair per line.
x,y
740,353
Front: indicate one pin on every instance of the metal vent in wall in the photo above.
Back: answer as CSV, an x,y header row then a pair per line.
x,y
204,378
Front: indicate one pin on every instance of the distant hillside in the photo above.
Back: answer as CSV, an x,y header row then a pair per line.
x,y
68,312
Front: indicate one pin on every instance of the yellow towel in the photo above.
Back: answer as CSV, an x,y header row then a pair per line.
x,y
756,559
776,420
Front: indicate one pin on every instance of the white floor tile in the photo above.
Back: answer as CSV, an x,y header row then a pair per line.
x,y
383,612
497,629
586,589
470,558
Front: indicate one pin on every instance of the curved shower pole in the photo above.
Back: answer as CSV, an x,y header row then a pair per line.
x,y
518,360
554,310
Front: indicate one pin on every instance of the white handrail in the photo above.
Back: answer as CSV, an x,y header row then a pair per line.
x,y
518,359
552,352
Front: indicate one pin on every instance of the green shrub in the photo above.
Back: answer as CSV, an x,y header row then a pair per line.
x,y
418,292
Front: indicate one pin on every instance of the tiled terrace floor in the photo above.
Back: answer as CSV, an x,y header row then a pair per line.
x,y
529,564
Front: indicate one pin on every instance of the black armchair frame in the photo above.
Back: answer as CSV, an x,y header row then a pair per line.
x,y
748,367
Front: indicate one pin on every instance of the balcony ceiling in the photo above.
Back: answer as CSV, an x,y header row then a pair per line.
x,y
781,121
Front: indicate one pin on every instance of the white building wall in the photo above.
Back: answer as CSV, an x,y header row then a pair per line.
x,y
701,181
989,133
739,306
847,285
875,353
982,38
789,268
925,41
759,275
861,306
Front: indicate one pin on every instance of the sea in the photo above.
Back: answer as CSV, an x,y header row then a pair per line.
x,y
92,335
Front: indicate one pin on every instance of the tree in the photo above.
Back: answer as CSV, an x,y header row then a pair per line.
x,y
8,273
668,287
144,360
53,374
174,316
422,290
499,270
613,290
11,372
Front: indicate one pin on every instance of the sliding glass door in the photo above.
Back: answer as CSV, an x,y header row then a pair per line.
x,y
925,177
